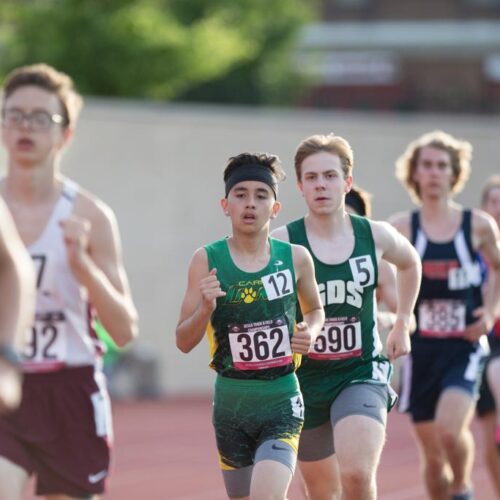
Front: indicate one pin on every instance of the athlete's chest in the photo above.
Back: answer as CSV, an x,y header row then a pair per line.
x,y
31,222
332,251
347,283
267,288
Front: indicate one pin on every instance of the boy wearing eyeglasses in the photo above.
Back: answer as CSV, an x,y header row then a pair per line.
x,y
62,430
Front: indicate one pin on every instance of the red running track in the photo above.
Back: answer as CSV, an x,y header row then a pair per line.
x,y
166,451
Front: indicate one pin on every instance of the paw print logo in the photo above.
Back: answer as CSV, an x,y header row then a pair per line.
x,y
248,295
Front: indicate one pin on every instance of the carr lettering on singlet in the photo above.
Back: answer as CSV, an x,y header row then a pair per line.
x,y
45,348
441,318
260,345
340,338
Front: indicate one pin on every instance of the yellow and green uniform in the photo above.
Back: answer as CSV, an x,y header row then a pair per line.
x,y
348,350
257,395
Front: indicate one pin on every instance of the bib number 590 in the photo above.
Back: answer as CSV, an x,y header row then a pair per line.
x,y
338,341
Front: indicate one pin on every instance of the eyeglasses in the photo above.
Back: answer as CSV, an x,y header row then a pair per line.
x,y
38,121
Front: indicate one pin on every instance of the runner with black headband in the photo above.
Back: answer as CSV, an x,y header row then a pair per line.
x,y
242,290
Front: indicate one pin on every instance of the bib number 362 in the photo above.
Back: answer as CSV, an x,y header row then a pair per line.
x,y
258,348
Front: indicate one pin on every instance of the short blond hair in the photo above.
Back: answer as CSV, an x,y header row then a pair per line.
x,y
460,152
330,143
47,78
492,183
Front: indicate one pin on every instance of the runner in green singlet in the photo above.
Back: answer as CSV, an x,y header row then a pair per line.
x,y
345,377
242,291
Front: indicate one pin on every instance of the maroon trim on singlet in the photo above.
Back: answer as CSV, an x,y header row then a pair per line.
x,y
35,367
496,329
91,315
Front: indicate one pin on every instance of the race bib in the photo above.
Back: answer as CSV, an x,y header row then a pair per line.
x,y
257,346
46,345
278,284
441,318
340,338
362,270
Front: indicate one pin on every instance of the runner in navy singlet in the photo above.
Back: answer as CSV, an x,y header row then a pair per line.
x,y
442,374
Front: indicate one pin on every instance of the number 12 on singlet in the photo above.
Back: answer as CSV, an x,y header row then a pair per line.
x,y
278,284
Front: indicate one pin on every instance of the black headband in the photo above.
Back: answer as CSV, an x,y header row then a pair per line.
x,y
252,172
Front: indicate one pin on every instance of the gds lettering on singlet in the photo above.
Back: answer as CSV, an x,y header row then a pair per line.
x,y
350,291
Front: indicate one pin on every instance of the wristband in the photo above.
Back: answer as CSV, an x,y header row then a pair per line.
x,y
9,355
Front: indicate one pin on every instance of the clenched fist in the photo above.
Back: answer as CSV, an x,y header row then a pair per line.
x,y
210,290
302,339
76,233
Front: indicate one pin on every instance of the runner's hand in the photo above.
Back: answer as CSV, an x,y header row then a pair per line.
x,y
398,341
482,326
10,387
210,290
302,339
76,233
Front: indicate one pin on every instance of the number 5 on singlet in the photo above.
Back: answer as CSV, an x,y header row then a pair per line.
x,y
362,270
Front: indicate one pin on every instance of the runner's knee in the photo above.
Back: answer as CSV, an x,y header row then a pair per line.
x,y
356,476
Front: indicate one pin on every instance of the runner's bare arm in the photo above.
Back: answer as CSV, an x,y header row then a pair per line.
x,y
401,221
281,233
199,302
486,238
398,251
95,256
17,289
309,300
386,288
17,283
386,295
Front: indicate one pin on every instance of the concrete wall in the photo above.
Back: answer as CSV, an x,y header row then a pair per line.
x,y
160,168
